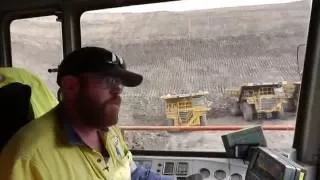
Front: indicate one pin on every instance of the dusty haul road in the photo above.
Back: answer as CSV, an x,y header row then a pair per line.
x,y
180,52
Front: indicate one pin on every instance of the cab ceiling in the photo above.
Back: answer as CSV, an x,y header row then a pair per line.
x,y
12,6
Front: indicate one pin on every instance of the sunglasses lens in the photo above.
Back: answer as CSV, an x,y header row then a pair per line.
x,y
113,82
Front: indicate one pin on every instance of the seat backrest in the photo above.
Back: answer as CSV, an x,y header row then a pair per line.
x,y
42,98
15,110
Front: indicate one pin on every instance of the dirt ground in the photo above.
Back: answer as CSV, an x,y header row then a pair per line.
x,y
181,52
197,141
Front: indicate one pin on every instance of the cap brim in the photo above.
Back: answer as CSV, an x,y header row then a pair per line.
x,y
128,78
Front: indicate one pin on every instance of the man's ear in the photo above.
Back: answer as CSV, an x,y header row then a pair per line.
x,y
70,84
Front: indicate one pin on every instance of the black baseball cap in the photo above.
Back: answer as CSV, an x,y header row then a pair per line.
x,y
97,60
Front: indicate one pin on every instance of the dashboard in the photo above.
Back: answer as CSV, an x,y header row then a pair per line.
x,y
181,167
184,165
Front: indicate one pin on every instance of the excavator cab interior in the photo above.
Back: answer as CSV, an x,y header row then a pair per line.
x,y
246,156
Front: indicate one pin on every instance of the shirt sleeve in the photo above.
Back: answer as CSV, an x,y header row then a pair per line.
x,y
141,173
21,169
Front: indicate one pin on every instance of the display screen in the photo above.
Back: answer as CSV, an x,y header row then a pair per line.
x,y
182,168
168,168
268,168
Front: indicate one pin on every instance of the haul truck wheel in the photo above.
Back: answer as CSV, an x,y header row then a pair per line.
x,y
235,109
295,102
203,120
280,114
247,112
290,106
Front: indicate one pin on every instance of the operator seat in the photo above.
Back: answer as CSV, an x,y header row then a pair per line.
x,y
15,109
42,99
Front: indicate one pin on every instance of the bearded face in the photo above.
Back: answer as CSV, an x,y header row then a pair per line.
x,y
98,103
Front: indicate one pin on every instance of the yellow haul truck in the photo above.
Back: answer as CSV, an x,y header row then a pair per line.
x,y
187,109
256,101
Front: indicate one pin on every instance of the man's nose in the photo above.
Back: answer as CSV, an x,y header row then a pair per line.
x,y
117,89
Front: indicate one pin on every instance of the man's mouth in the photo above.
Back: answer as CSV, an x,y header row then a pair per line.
x,y
116,100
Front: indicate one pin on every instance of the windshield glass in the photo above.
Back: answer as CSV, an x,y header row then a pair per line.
x,y
205,63
37,46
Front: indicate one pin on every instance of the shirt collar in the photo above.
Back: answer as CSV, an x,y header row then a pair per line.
x,y
68,131
72,137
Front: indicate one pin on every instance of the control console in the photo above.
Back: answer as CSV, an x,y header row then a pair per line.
x,y
182,167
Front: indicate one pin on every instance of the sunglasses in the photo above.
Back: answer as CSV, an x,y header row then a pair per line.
x,y
111,82
104,81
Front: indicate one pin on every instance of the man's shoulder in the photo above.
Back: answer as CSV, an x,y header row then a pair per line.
x,y
39,133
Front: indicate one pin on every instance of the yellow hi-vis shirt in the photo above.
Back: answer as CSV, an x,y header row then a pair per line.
x,y
45,149
42,99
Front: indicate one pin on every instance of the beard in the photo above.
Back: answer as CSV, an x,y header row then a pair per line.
x,y
97,114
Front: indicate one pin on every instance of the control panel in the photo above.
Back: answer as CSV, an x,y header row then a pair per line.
x,y
209,168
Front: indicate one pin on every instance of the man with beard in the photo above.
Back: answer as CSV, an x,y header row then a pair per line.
x,y
78,139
